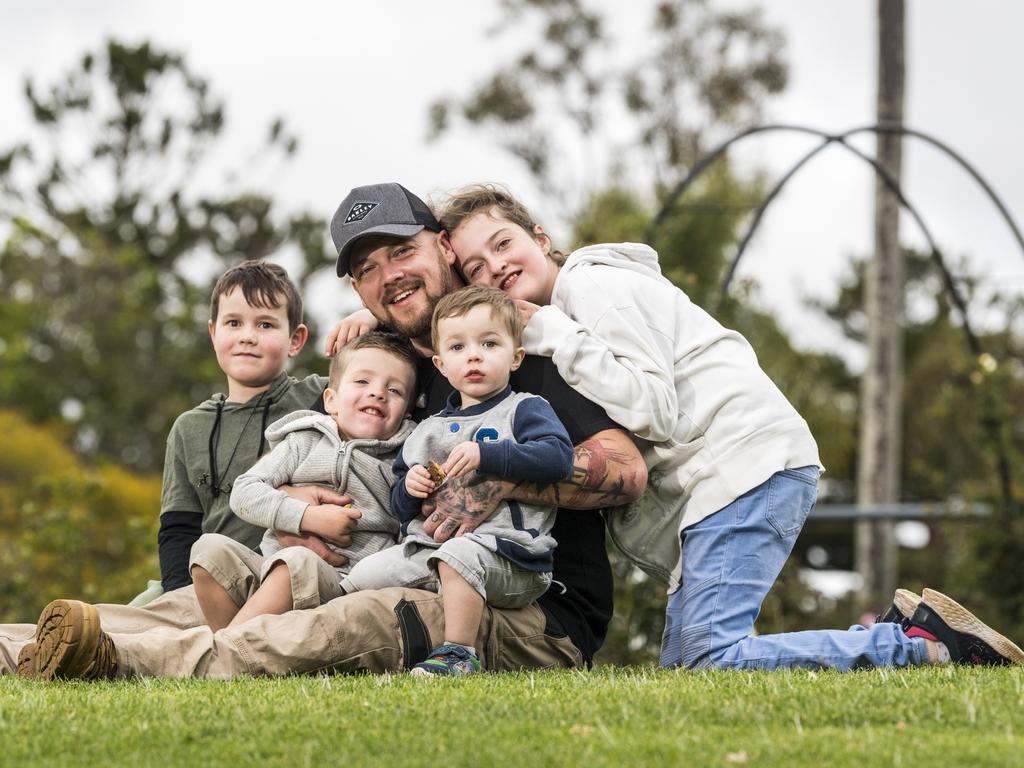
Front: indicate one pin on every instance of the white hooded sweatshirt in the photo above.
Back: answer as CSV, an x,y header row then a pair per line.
x,y
713,424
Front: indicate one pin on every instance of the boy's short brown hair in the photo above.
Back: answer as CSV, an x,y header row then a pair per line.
x,y
460,302
393,343
264,284
484,198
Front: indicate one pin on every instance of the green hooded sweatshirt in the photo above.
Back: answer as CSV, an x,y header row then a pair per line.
x,y
207,448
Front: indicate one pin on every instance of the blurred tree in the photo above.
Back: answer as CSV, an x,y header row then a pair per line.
x,y
110,247
573,96
949,453
69,530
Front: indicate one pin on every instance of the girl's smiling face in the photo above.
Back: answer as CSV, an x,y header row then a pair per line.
x,y
491,250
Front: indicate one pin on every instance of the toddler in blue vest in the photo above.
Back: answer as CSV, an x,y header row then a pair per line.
x,y
485,429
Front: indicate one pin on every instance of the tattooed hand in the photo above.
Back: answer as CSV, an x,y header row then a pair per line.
x,y
607,470
461,504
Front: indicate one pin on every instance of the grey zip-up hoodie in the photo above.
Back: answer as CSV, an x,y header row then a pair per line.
x,y
210,445
307,450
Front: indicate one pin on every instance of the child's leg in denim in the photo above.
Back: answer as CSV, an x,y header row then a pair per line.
x,y
730,561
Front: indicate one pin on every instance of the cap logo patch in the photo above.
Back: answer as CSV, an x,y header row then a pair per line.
x,y
359,212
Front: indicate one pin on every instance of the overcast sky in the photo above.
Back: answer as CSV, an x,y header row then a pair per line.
x,y
353,80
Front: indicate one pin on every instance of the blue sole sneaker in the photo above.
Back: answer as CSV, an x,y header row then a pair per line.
x,y
447,660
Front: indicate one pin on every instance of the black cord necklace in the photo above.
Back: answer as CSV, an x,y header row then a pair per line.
x,y
215,480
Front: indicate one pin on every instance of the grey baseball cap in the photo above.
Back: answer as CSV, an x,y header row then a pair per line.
x,y
377,209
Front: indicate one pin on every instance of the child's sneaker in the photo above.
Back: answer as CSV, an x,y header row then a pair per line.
x,y
70,644
904,603
448,660
966,637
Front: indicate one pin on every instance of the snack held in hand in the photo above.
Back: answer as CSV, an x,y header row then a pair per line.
x,y
437,474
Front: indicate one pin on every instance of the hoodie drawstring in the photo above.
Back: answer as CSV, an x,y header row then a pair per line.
x,y
214,439
215,477
263,427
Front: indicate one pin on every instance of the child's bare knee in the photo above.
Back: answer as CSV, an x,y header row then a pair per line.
x,y
280,568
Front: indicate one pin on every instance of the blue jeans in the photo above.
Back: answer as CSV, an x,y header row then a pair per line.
x,y
730,561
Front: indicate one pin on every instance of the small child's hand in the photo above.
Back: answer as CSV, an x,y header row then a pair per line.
x,y
331,522
418,482
526,310
464,458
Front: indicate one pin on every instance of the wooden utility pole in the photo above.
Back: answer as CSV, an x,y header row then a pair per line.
x,y
878,476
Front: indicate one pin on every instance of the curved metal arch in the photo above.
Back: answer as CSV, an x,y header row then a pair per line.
x,y
882,127
893,127
828,139
990,420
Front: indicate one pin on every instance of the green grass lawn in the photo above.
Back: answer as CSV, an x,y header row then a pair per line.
x,y
613,716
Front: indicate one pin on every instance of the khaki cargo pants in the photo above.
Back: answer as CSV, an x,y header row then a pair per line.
x,y
176,610
387,630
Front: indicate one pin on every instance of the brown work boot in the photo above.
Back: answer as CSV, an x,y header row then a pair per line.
x,y
70,643
27,660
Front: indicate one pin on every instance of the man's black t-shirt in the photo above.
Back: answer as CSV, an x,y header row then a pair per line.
x,y
579,602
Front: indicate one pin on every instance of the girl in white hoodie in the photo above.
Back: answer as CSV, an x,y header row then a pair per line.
x,y
733,468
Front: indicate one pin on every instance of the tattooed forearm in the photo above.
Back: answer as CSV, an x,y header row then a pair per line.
x,y
600,475
607,471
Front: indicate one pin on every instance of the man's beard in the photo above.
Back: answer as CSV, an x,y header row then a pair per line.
x,y
418,328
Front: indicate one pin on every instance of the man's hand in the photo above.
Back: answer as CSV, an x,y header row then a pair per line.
x,y
460,505
315,494
313,543
359,322
608,470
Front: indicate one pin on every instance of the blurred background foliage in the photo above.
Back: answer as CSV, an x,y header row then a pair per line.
x,y
110,246
70,528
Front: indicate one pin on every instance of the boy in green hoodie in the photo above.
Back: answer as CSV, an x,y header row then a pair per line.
x,y
255,326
